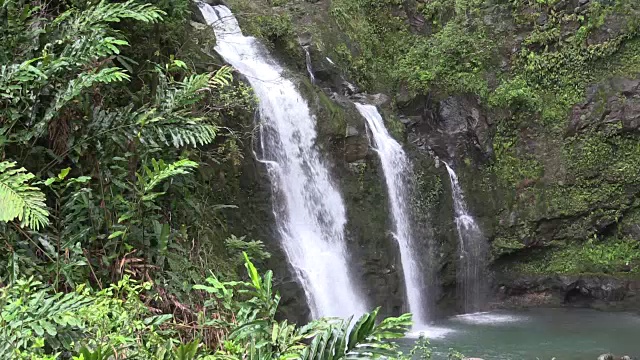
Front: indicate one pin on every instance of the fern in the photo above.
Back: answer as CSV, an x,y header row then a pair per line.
x,y
19,199
160,171
75,22
222,77
172,97
83,81
30,311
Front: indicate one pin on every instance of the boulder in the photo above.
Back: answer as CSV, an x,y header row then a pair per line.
x,y
457,126
379,99
606,357
612,106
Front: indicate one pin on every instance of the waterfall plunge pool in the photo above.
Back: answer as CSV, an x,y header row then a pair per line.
x,y
563,334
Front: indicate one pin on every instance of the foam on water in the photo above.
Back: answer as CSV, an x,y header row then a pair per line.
x,y
489,318
429,332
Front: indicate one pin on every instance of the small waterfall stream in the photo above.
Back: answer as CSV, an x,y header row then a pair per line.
x,y
397,170
307,54
309,211
472,251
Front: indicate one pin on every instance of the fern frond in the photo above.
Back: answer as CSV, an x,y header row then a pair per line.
x,y
87,48
13,77
20,200
105,12
160,171
363,340
180,95
81,82
188,133
222,77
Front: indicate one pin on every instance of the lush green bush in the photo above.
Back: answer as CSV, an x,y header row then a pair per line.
x,y
237,320
91,140
592,256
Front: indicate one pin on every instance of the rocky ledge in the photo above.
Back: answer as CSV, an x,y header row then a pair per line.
x,y
592,291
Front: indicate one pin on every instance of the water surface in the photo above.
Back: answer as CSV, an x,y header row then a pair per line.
x,y
566,334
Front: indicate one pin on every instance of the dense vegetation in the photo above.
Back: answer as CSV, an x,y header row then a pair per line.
x,y
121,140
107,111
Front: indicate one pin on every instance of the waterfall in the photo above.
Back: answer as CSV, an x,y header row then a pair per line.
x,y
397,170
312,77
472,251
309,211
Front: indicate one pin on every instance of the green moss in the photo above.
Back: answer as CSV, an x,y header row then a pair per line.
x,y
376,37
505,245
575,199
513,166
361,169
593,256
394,126
429,189
455,59
332,118
273,27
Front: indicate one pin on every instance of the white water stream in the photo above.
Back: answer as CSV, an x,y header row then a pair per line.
x,y
309,211
472,251
307,54
397,171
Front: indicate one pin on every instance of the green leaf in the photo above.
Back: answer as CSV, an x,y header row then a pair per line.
x,y
115,234
63,173
37,329
256,280
20,200
48,327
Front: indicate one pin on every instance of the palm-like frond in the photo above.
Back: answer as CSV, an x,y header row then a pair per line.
x,y
160,171
106,12
173,97
81,82
362,340
169,121
19,199
256,334
222,77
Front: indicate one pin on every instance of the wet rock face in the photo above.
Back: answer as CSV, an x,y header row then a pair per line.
x,y
293,306
601,292
356,147
327,73
612,107
375,260
457,126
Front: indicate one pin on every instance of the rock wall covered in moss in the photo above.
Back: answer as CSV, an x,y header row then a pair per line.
x,y
537,103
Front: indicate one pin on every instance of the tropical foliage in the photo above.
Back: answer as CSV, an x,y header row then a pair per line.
x,y
92,135
104,131
237,322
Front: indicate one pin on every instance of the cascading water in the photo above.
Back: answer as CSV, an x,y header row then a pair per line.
x,y
309,211
307,54
472,251
397,170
